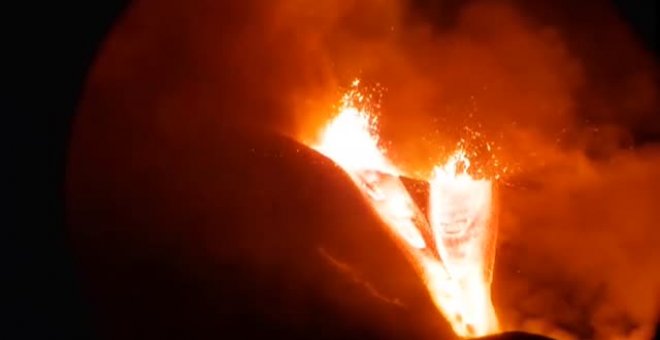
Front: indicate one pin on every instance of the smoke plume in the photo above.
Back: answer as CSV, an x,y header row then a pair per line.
x,y
558,99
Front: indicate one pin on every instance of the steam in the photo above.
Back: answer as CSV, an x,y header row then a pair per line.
x,y
556,103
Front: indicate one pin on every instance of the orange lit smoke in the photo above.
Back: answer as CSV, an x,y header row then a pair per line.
x,y
456,259
559,87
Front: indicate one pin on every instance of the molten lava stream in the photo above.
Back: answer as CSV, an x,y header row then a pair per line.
x,y
456,262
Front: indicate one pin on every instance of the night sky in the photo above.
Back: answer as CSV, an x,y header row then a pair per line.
x,y
51,48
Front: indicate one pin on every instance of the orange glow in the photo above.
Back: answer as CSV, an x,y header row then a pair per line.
x,y
351,138
455,262
460,213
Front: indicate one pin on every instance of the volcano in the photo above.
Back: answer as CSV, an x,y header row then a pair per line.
x,y
234,234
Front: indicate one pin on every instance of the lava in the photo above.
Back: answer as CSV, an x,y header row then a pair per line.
x,y
451,248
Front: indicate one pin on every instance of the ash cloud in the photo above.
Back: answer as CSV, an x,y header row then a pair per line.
x,y
563,92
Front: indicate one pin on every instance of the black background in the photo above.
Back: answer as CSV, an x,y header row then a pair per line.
x,y
50,48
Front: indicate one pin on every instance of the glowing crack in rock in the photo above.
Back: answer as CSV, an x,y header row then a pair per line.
x,y
455,259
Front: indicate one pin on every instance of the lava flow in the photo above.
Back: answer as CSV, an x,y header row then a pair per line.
x,y
451,248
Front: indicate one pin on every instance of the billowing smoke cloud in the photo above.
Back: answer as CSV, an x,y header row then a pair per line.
x,y
558,94
578,249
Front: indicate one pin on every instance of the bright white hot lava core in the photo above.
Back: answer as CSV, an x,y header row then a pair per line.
x,y
458,274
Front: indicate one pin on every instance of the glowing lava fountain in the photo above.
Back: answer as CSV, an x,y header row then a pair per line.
x,y
453,248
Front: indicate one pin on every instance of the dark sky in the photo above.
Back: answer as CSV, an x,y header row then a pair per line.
x,y
51,47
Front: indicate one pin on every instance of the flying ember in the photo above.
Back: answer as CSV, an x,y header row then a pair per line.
x,y
452,246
